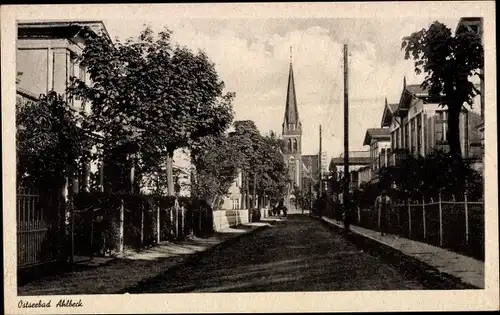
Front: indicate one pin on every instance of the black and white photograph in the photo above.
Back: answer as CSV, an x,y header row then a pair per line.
x,y
262,157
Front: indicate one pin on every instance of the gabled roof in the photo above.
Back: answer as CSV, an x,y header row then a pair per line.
x,y
352,161
389,110
376,133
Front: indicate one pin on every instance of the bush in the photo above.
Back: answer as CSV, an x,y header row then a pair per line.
x,y
100,212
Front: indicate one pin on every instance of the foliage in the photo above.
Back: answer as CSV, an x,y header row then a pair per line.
x,y
436,173
150,98
216,160
50,143
449,62
273,175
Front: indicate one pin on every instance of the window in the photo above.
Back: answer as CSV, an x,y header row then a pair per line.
x,y
419,134
236,204
71,72
393,139
295,146
290,145
82,76
442,128
413,136
405,136
398,132
291,127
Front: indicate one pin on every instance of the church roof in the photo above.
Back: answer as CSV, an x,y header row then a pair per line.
x,y
291,109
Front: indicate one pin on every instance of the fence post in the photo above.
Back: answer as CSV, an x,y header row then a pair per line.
x,y
158,224
440,221
176,218
466,219
409,219
183,232
423,217
72,209
142,225
120,236
171,215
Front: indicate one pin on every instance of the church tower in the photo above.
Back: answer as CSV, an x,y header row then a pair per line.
x,y
292,133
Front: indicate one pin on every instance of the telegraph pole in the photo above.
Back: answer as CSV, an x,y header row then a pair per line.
x,y
319,165
346,145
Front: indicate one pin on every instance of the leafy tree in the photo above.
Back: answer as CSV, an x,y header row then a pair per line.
x,y
273,178
216,162
149,98
50,145
449,61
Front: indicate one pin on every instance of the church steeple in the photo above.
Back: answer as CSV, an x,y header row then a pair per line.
x,y
291,109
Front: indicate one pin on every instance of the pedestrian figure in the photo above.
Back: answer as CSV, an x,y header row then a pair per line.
x,y
383,205
285,210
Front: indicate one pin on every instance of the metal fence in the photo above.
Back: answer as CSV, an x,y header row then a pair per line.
x,y
458,226
37,235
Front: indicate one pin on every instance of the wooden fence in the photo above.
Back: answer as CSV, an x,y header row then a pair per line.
x,y
458,226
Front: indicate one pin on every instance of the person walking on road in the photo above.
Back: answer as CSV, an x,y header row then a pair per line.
x,y
383,205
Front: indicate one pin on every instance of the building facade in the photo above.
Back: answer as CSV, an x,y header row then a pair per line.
x,y
46,59
233,200
379,141
418,126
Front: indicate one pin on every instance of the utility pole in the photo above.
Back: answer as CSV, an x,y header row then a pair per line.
x,y
319,165
346,145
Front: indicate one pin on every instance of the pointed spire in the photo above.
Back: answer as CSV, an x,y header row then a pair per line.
x,y
291,110
404,81
290,54
386,102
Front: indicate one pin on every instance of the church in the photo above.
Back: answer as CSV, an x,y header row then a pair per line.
x,y
300,167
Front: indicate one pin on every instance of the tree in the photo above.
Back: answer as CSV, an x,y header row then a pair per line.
x,y
216,162
50,145
273,178
149,99
449,62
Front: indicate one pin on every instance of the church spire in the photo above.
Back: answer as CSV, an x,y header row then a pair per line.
x,y
291,109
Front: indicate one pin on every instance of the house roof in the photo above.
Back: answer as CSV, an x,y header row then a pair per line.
x,y
352,161
58,29
469,21
376,133
353,154
389,110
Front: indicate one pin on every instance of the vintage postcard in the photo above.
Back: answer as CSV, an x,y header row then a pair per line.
x,y
249,157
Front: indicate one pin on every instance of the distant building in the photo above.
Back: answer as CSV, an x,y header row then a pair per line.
x,y
379,140
292,142
233,199
418,125
358,160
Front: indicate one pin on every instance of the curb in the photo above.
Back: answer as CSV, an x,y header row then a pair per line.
x,y
189,260
428,275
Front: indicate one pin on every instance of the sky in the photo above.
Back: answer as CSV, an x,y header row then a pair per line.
x,y
252,57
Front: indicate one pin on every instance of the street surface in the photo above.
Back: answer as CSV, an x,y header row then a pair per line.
x,y
296,254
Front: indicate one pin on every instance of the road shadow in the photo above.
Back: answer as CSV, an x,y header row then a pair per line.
x,y
132,267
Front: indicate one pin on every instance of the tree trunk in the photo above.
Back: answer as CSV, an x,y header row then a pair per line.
x,y
453,133
170,173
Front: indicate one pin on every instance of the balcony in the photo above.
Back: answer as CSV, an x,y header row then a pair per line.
x,y
397,157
